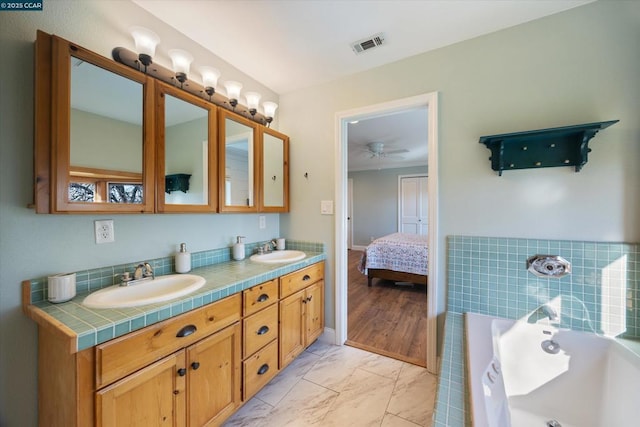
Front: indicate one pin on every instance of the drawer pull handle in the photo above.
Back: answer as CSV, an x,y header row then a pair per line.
x,y
310,298
263,298
263,369
306,277
182,372
263,330
186,331
195,365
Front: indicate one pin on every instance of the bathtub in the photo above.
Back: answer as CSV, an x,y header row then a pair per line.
x,y
521,374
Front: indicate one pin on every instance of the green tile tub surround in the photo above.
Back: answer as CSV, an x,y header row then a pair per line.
x,y
224,277
488,275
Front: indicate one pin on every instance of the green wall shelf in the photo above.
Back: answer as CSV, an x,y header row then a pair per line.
x,y
562,146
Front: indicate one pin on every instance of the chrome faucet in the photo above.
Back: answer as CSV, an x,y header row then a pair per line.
x,y
143,272
267,247
546,311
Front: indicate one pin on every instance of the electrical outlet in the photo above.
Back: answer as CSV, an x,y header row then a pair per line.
x,y
104,231
263,222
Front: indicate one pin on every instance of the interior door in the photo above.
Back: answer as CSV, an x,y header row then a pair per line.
x,y
413,205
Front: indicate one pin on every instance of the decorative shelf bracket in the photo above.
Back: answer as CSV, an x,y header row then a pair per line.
x,y
562,146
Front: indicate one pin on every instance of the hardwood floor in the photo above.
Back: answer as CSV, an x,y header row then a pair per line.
x,y
388,319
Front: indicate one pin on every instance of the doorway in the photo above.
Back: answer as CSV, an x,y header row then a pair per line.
x,y
341,235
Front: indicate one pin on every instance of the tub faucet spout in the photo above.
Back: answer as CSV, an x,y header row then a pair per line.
x,y
544,310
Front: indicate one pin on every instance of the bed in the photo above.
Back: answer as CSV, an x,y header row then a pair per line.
x,y
398,257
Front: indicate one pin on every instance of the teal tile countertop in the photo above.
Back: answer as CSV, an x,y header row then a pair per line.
x,y
95,326
452,396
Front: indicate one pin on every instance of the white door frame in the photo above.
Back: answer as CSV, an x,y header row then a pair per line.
x,y
429,100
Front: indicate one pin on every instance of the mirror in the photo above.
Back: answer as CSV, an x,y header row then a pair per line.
x,y
101,145
186,147
237,173
105,156
275,172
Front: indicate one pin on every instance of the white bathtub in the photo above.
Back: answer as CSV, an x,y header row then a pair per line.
x,y
591,381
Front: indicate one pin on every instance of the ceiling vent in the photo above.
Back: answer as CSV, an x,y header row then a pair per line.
x,y
368,43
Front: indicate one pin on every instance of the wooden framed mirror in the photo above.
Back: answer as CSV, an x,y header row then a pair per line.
x,y
187,152
101,154
238,167
274,176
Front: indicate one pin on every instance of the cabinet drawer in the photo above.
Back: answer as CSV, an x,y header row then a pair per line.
x,y
259,329
260,296
300,279
121,356
259,369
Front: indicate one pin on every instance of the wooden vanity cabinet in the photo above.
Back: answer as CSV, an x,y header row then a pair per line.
x,y
259,337
301,311
193,370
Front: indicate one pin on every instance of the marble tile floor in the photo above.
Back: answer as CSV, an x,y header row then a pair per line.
x,y
330,385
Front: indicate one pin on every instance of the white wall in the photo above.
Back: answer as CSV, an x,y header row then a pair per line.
x,y
38,245
575,67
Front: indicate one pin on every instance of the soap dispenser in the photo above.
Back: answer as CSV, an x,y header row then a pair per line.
x,y
183,260
238,249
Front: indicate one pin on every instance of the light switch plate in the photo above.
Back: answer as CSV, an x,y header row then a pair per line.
x,y
326,207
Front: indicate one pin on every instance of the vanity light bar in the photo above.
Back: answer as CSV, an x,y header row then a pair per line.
x,y
131,59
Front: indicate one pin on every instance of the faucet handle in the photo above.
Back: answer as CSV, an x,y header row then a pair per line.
x,y
148,271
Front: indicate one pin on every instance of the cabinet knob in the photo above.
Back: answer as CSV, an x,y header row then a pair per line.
x,y
263,369
263,298
195,365
182,372
263,330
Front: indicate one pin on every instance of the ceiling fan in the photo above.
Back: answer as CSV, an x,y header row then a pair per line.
x,y
376,150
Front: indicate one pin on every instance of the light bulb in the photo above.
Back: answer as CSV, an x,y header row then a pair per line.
x,y
253,100
146,42
181,60
233,91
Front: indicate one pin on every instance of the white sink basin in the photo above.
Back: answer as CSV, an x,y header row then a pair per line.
x,y
278,257
162,288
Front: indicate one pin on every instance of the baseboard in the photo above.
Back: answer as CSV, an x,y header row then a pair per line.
x,y
328,336
358,248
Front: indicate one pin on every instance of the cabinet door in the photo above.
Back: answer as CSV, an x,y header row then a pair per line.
x,y
186,136
291,327
314,312
274,176
238,168
214,377
153,396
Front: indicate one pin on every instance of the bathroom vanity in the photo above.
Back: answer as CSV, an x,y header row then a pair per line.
x,y
196,368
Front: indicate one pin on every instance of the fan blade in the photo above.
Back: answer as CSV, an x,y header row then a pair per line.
x,y
402,150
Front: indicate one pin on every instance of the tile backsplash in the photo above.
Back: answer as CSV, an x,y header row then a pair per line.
x,y
97,278
489,275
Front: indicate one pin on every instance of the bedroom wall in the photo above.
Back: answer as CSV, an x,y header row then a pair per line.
x,y
375,202
575,67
